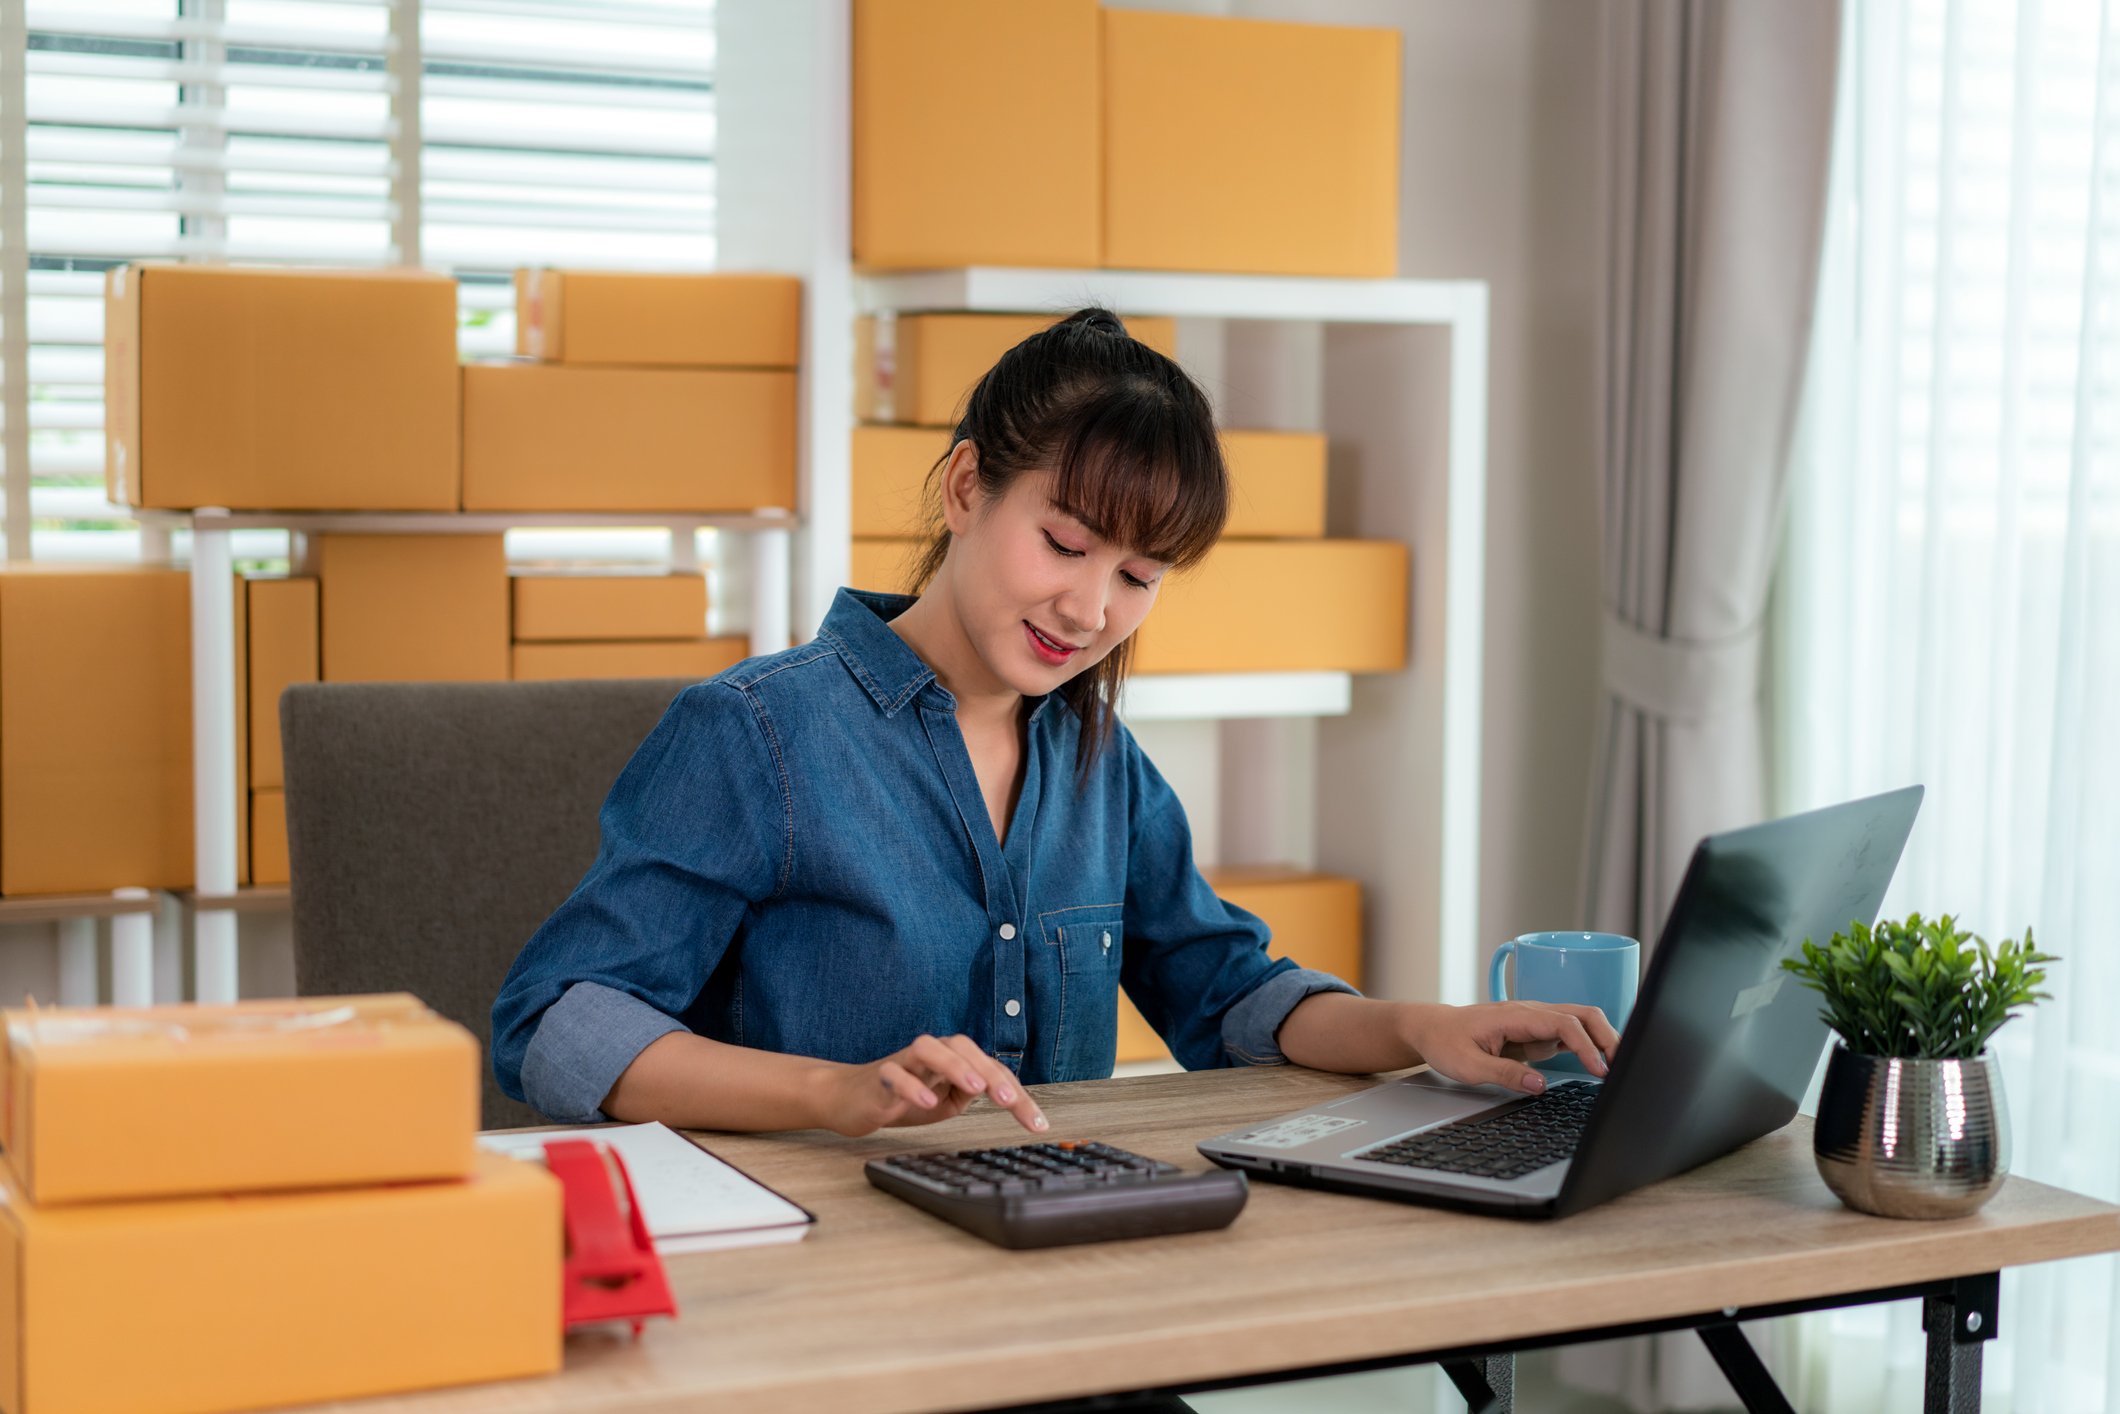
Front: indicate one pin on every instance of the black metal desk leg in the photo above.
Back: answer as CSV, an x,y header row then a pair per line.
x,y
1745,1371
1488,1383
1958,1324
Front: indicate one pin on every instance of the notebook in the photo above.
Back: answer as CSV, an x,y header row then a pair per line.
x,y
692,1201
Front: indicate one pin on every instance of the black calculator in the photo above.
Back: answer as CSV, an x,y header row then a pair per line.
x,y
1048,1195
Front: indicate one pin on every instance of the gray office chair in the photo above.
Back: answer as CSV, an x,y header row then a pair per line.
x,y
432,826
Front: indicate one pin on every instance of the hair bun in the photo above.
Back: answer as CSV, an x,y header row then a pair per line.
x,y
1101,320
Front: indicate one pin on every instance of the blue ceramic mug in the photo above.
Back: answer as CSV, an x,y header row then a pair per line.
x,y
1595,969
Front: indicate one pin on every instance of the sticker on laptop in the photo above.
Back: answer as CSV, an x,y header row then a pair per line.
x,y
1300,1130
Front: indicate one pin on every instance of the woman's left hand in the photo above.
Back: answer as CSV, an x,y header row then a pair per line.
x,y
1487,1044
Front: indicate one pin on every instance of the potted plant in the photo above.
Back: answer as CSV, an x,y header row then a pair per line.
x,y
1912,1121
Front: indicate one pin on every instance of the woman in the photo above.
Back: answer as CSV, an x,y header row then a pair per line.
x,y
864,881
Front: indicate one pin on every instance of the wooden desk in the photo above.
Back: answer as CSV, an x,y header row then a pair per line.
x,y
883,1308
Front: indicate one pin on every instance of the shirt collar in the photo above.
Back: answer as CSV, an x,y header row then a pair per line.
x,y
859,626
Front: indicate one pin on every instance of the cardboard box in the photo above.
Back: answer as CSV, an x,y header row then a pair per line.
x,y
565,607
1004,97
263,1300
891,466
414,608
1316,921
1254,606
550,437
268,837
1138,1040
1249,146
290,390
883,565
135,1102
283,650
1264,606
1277,480
95,729
1276,483
683,321
691,658
1316,918
920,368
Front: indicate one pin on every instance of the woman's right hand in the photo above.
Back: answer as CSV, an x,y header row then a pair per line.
x,y
932,1079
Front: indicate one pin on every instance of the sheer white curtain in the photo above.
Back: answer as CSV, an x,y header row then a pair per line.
x,y
1950,607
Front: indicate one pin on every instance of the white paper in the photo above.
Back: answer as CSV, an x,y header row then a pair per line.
x,y
691,1201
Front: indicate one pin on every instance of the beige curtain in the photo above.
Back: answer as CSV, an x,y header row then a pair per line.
x,y
1718,128
1719,120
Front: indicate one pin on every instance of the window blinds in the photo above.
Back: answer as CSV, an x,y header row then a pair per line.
x,y
466,135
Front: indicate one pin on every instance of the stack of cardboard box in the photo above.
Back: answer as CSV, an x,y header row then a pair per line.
x,y
643,393
95,725
1059,133
1146,141
604,624
342,391
260,1204
276,390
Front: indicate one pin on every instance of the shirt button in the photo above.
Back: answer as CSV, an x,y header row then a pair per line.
x,y
1013,1006
1008,931
1107,942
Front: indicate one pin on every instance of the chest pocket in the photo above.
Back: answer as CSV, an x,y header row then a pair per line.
x,y
1091,943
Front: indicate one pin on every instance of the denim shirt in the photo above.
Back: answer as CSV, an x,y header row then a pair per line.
x,y
799,859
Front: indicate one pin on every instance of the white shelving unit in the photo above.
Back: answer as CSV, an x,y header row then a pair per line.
x,y
135,938
214,745
1000,290
1386,769
1198,697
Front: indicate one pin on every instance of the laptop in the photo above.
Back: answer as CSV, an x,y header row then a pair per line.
x,y
1720,1048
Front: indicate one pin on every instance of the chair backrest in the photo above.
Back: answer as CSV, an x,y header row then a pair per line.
x,y
431,827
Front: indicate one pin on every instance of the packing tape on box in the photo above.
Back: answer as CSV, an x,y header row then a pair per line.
x,y
52,1027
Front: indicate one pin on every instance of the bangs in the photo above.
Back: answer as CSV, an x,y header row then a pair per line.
x,y
1140,475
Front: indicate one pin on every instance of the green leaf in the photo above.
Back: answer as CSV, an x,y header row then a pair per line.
x,y
1920,987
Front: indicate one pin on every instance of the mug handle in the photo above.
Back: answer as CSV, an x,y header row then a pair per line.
x,y
1495,987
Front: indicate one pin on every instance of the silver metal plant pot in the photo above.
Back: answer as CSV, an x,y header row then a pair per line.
x,y
1912,1138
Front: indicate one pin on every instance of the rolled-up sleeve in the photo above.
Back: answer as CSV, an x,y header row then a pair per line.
x,y
695,832
1197,966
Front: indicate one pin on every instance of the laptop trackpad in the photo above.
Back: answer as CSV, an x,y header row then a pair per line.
x,y
1418,1101
1373,1116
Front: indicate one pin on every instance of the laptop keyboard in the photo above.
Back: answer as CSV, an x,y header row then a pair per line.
x,y
1507,1145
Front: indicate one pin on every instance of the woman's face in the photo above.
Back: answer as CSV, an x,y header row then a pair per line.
x,y
1042,596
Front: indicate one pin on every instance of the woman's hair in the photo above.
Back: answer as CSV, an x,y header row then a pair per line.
x,y
1130,441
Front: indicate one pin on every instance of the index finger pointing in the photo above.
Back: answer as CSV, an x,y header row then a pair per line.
x,y
1002,1087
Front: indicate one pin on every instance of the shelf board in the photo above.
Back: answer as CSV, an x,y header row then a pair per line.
x,y
262,898
463,522
996,289
53,908
1167,697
